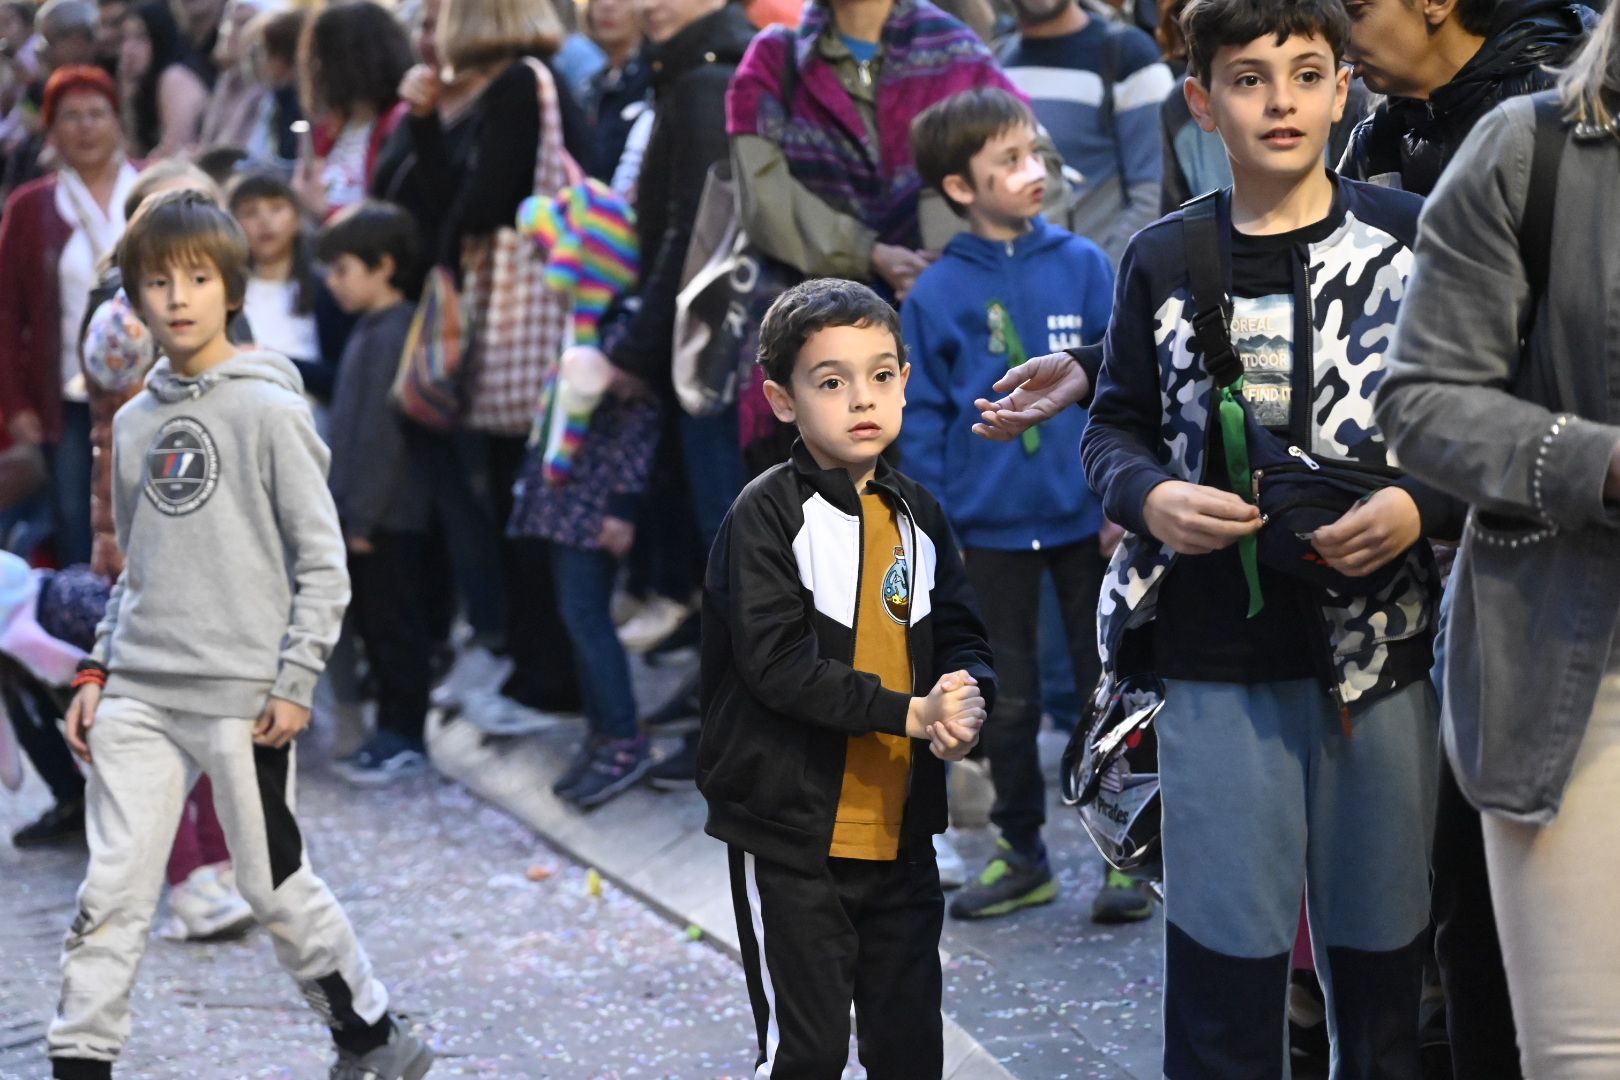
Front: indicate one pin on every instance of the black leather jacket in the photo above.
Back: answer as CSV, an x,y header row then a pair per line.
x,y
1407,143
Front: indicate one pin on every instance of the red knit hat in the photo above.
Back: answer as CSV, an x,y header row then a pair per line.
x,y
76,77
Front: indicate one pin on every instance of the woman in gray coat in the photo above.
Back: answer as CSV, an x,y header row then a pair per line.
x,y
1530,436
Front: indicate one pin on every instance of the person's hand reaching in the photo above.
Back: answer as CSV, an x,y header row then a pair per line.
x,y
1035,392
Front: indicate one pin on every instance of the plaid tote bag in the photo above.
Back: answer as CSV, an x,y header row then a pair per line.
x,y
518,325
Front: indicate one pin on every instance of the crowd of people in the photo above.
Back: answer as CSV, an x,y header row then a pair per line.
x,y
420,298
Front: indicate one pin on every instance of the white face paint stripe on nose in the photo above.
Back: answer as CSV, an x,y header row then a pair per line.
x,y
1032,173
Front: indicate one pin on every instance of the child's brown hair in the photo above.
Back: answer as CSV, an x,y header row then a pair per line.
x,y
946,136
184,226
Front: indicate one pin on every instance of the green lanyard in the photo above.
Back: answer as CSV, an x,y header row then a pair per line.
x,y
1235,440
1004,339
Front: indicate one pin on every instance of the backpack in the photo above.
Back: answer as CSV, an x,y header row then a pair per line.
x,y
727,284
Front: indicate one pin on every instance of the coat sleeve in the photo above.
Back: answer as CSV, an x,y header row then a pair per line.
x,y
697,103
961,642
109,616
15,364
1447,405
1120,447
295,466
374,432
774,646
791,223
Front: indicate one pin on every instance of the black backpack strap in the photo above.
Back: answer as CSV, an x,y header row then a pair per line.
x,y
790,76
1536,226
1201,238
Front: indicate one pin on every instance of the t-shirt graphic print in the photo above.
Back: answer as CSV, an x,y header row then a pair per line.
x,y
1263,336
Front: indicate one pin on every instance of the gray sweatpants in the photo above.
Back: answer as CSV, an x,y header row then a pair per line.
x,y
145,760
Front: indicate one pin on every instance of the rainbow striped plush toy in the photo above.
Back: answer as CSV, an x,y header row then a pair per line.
x,y
588,236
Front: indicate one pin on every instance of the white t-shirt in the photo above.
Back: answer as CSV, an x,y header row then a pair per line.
x,y
95,235
276,326
345,173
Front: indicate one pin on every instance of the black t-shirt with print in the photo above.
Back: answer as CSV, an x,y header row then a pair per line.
x,y
1202,631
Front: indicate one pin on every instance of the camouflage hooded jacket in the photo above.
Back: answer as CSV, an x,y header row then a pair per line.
x,y
1152,414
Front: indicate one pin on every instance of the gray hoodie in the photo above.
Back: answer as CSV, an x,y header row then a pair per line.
x,y
234,578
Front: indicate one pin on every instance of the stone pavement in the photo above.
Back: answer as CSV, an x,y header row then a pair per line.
x,y
518,980
509,979
1042,995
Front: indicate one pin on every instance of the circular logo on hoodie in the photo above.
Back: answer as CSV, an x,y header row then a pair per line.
x,y
182,467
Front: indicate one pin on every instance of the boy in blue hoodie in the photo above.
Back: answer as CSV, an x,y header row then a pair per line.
x,y
1297,742
1009,288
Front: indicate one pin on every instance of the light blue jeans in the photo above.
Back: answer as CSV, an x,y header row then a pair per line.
x,y
1264,797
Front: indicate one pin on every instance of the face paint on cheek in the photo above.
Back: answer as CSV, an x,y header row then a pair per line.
x,y
1033,172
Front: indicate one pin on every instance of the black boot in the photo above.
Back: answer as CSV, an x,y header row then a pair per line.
x,y
61,824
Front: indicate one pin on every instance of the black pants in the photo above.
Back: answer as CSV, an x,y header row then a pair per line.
x,y
34,713
856,931
395,620
1479,1016
1008,586
465,511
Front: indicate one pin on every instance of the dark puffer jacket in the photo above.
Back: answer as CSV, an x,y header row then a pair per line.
x,y
1407,143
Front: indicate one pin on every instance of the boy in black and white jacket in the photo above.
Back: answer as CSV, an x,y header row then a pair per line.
x,y
843,662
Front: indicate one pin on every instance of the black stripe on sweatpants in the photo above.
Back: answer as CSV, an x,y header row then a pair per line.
x,y
281,837
80,1069
349,1030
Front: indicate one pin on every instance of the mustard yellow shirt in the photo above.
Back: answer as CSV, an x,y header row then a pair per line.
x,y
872,803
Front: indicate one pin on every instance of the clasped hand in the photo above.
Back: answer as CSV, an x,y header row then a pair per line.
x,y
950,717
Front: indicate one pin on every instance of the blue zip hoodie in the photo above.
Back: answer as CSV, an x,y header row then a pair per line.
x,y
1058,288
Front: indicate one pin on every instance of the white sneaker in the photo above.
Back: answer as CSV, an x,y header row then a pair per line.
x,y
656,620
206,906
476,669
493,713
953,873
625,607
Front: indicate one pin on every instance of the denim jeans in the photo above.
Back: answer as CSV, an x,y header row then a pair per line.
x,y
585,582
714,469
472,532
70,486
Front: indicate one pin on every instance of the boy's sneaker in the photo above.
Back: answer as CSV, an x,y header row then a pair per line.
x,y
61,824
657,619
206,907
1010,881
475,669
577,767
618,765
677,771
1122,899
952,870
385,758
402,1057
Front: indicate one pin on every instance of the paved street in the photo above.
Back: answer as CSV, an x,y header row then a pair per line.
x,y
508,978
519,980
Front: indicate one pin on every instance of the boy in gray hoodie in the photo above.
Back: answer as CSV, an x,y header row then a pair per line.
x,y
231,598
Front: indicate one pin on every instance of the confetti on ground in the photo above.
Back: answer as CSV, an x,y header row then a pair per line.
x,y
509,980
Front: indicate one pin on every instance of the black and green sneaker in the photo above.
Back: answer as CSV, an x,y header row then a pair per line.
x,y
1010,881
1122,899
